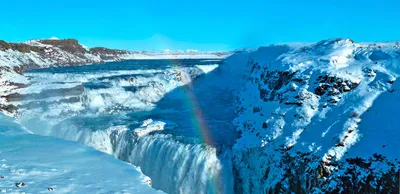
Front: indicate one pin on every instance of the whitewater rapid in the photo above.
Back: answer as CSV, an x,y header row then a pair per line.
x,y
178,135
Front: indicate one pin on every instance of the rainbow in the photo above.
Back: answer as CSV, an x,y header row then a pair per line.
x,y
200,125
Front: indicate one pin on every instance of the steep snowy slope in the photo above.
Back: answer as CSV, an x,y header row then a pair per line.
x,y
319,118
36,164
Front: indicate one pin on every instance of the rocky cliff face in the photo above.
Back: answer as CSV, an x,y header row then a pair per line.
x,y
108,54
44,53
319,118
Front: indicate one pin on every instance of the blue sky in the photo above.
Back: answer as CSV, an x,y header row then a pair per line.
x,y
200,24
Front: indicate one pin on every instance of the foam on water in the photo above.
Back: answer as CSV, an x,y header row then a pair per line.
x,y
174,164
125,113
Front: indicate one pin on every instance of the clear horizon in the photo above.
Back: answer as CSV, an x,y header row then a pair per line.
x,y
206,25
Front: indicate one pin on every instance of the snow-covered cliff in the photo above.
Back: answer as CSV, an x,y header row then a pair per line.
x,y
318,118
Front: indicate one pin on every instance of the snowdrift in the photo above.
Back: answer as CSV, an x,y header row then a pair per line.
x,y
36,164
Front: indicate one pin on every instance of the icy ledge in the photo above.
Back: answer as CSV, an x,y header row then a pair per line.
x,y
36,164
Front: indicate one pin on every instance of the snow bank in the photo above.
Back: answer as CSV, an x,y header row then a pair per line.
x,y
36,164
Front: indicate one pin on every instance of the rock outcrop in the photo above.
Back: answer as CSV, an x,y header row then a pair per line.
x,y
319,118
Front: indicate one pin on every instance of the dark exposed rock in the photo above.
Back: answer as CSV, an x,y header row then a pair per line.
x,y
71,46
14,97
256,109
44,104
334,85
333,100
21,47
274,80
340,144
265,125
300,178
263,93
77,90
64,42
294,103
8,108
107,54
21,184
106,51
320,90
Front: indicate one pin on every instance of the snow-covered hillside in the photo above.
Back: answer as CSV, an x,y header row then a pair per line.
x,y
36,164
319,118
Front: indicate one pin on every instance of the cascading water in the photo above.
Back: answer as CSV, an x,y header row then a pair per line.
x,y
162,116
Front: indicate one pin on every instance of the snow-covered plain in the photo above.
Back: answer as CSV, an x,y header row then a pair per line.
x,y
46,164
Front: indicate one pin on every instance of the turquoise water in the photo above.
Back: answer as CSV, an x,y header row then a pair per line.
x,y
136,90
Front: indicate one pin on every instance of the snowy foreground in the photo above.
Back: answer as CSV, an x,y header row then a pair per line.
x,y
37,164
